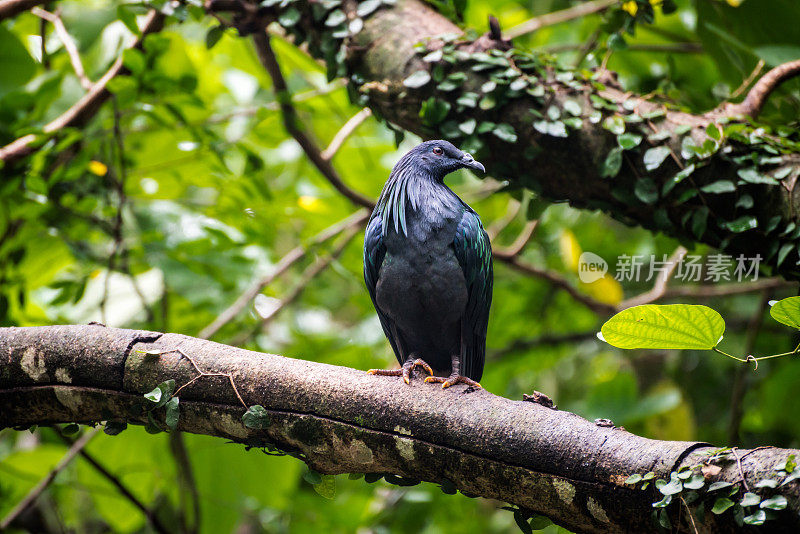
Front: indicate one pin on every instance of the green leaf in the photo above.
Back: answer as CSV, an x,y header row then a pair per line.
x,y
433,57
256,417
487,102
719,187
173,413
627,141
750,499
614,124
291,16
720,505
505,132
612,163
134,60
673,487
792,477
417,79
522,522
752,176
468,99
128,18
154,395
774,55
633,479
719,485
113,428
767,483
672,326
787,311
518,85
536,207
326,486
312,477
336,17
654,157
367,6
489,86
742,224
696,482
783,253
18,65
468,126
646,190
572,107
616,42
756,518
433,111
539,522
70,429
214,35
663,503
152,425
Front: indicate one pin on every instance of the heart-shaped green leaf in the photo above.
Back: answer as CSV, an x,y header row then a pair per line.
x,y
787,311
672,326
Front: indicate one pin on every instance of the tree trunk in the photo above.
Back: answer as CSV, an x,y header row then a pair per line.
x,y
341,420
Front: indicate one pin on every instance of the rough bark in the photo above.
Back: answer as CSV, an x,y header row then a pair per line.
x,y
342,420
754,215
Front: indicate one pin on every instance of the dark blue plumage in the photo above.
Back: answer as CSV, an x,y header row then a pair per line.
x,y
428,268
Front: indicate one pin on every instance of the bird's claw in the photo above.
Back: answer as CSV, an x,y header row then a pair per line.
x,y
419,362
452,380
404,371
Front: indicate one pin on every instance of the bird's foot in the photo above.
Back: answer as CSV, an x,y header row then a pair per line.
x,y
404,371
452,380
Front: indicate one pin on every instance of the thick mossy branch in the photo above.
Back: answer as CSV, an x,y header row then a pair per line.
x,y
571,135
342,420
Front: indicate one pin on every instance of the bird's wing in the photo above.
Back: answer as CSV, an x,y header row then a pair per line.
x,y
374,252
474,252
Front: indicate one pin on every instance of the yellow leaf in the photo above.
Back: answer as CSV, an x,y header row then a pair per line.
x,y
632,8
570,250
312,204
605,289
735,3
98,168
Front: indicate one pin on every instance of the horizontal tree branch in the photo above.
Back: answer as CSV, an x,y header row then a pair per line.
x,y
341,420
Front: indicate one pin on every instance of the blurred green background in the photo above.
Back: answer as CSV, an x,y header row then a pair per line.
x,y
214,193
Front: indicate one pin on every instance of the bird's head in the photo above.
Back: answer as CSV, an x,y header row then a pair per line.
x,y
440,158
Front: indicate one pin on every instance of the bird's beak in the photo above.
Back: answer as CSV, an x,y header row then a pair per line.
x,y
469,162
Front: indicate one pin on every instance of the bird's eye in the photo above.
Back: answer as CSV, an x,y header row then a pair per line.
x,y
437,150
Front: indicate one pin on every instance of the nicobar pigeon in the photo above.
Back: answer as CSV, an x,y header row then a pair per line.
x,y
428,268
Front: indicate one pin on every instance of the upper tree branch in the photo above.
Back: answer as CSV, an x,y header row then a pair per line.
x,y
757,96
68,42
342,420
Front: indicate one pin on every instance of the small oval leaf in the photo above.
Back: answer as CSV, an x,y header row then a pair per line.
x,y
672,326
787,311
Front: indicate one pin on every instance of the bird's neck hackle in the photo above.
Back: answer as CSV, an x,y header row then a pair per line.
x,y
406,186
